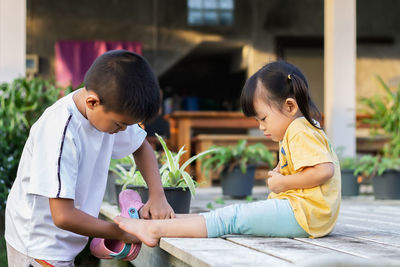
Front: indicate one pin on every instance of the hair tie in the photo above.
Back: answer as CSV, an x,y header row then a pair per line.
x,y
289,76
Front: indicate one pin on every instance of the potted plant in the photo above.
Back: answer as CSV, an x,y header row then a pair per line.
x,y
236,166
179,186
350,182
121,173
384,172
384,168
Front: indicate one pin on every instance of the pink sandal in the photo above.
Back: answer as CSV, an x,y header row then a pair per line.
x,y
130,204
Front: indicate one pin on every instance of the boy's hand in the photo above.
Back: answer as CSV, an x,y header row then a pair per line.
x,y
157,208
275,182
128,238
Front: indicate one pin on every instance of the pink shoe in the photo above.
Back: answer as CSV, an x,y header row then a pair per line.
x,y
130,204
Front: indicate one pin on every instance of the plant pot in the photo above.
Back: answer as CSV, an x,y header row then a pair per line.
x,y
110,194
387,186
178,197
236,184
350,186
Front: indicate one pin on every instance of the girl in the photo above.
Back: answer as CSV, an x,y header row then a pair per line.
x,y
305,185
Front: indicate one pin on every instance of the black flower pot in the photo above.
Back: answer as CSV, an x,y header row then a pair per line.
x,y
237,184
350,186
387,186
111,193
179,198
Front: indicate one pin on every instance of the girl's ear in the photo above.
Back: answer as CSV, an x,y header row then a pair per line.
x,y
92,100
291,106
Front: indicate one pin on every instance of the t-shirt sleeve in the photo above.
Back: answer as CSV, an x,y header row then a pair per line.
x,y
308,149
128,141
55,161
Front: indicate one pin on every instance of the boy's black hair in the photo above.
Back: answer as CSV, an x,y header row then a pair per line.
x,y
281,80
125,84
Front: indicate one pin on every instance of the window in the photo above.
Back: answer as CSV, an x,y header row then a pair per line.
x,y
210,12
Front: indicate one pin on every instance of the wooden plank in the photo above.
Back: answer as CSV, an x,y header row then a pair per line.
x,y
380,216
357,247
371,224
369,227
367,232
109,211
216,252
375,235
286,248
384,210
370,201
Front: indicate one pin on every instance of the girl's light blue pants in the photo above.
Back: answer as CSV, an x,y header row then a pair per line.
x,y
271,217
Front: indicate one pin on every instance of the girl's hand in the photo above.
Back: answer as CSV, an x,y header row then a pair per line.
x,y
275,182
157,208
277,168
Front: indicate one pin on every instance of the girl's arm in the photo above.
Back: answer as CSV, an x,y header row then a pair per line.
x,y
67,217
157,207
307,178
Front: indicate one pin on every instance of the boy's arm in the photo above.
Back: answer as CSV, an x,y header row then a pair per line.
x,y
67,217
157,207
307,178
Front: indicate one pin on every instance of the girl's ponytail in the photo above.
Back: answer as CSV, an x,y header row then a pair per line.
x,y
300,91
280,81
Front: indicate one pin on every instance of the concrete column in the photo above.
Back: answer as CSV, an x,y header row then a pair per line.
x,y
12,39
340,73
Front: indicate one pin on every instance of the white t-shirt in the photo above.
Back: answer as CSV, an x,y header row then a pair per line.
x,y
64,157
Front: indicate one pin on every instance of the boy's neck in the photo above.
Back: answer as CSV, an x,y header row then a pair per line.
x,y
79,100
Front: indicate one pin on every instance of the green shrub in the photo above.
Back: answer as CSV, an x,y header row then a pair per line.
x,y
21,103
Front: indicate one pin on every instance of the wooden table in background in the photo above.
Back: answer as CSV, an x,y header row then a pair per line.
x,y
182,123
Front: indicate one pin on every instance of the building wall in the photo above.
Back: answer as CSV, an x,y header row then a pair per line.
x,y
161,27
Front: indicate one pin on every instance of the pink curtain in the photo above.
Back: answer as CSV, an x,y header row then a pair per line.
x,y
73,58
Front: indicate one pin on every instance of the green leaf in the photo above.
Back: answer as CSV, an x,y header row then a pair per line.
x,y
249,199
189,182
220,200
170,159
189,161
210,206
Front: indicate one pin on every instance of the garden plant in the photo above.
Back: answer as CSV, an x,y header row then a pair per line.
x,y
384,114
172,173
241,155
21,103
236,166
384,167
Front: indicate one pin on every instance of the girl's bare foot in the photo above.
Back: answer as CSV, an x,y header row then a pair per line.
x,y
145,230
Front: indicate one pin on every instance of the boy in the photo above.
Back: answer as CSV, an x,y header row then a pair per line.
x,y
53,205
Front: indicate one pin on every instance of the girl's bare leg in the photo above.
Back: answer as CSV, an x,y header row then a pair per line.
x,y
185,215
150,231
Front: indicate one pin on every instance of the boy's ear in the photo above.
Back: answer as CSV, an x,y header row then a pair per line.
x,y
291,106
92,100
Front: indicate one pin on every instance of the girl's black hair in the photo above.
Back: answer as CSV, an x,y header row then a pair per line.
x,y
281,80
125,84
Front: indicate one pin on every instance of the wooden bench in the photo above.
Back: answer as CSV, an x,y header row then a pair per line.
x,y
367,234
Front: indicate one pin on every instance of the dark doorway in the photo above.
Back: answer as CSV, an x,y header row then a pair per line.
x,y
211,75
